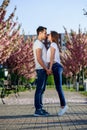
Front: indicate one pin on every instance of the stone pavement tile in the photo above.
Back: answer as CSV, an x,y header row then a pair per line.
x,y
19,115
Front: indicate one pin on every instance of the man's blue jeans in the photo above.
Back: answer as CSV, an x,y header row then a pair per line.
x,y
40,88
57,73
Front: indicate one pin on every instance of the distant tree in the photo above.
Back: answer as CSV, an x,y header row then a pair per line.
x,y
9,33
15,51
74,59
85,12
22,60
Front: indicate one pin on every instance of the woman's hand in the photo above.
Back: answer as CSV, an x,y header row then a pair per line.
x,y
49,71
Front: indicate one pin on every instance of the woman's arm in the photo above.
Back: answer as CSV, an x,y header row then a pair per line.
x,y
52,54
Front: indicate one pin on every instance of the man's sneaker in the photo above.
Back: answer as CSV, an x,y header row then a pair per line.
x,y
63,110
45,112
40,113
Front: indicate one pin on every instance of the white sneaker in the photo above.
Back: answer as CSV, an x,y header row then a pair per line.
x,y
63,110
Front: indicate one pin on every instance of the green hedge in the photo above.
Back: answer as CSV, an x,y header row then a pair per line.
x,y
50,80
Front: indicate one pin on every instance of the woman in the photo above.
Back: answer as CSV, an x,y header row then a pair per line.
x,y
53,59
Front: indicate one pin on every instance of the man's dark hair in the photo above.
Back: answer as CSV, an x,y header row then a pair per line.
x,y
40,29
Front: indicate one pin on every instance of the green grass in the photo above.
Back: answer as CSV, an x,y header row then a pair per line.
x,y
71,89
50,87
22,88
81,90
65,88
84,93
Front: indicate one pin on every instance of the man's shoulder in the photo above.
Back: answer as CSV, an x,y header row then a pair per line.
x,y
38,44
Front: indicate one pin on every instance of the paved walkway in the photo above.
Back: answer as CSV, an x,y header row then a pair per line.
x,y
17,112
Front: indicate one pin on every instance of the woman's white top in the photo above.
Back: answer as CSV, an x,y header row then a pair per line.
x,y
56,56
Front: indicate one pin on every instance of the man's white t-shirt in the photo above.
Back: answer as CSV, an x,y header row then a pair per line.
x,y
57,56
39,44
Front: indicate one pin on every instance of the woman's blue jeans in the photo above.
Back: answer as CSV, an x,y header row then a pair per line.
x,y
57,73
40,88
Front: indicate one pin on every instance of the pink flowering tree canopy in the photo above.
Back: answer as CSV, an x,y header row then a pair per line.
x,y
15,51
74,58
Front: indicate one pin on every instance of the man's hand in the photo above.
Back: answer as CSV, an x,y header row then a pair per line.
x,y
48,71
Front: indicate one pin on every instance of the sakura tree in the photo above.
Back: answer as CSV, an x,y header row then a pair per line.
x,y
15,51
74,59
22,60
9,33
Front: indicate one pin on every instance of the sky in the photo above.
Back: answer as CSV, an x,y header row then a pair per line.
x,y
53,14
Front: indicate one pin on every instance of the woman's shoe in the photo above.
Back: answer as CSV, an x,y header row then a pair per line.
x,y
63,110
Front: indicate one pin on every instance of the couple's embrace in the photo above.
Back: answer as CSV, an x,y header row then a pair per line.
x,y
47,62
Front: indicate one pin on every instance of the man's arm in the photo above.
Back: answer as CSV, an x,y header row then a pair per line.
x,y
39,58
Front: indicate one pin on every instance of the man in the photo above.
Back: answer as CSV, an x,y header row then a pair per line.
x,y
41,70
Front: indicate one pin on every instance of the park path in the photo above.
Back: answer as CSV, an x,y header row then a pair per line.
x,y
17,112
